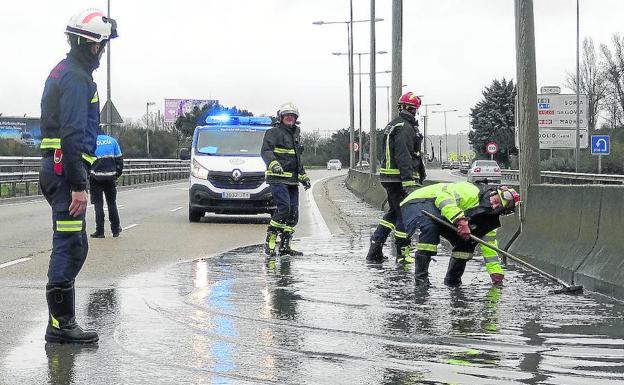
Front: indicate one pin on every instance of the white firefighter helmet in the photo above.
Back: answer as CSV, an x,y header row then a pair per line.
x,y
288,108
93,25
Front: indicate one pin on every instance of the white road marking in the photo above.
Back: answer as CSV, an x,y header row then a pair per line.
x,y
15,262
129,227
317,218
23,203
176,209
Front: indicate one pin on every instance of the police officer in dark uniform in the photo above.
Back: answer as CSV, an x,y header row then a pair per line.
x,y
402,171
103,181
69,125
281,151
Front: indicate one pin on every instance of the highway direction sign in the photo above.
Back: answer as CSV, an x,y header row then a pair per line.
x,y
559,111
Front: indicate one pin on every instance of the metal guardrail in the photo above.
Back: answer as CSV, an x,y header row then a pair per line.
x,y
19,176
557,177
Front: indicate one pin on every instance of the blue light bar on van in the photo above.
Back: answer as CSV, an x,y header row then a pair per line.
x,y
239,120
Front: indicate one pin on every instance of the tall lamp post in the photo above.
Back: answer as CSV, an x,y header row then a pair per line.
x,y
445,130
425,117
349,24
469,127
147,106
359,73
388,97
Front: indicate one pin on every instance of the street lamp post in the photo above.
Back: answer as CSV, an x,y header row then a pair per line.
x,y
349,24
147,106
466,116
359,73
388,96
425,117
445,130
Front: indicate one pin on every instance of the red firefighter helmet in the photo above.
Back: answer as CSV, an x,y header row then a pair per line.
x,y
409,100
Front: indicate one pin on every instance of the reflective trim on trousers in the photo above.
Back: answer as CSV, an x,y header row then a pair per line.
x,y
427,247
461,255
400,234
386,224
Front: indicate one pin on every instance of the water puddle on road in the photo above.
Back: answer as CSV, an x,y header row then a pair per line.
x,y
329,318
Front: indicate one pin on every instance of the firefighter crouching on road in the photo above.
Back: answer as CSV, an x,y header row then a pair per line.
x,y
103,181
401,172
474,209
281,151
70,118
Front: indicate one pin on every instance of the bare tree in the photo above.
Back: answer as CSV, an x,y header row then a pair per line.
x,y
593,82
614,70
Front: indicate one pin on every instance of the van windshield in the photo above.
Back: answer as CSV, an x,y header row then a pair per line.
x,y
230,141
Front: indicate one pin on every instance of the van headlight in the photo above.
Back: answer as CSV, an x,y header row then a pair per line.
x,y
199,171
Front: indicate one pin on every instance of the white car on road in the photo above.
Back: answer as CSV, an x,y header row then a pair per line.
x,y
334,164
484,171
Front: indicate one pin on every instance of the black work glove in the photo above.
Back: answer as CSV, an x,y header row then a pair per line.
x,y
306,184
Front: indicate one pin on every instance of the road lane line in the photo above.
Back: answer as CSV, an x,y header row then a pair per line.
x,y
317,218
15,262
176,209
129,227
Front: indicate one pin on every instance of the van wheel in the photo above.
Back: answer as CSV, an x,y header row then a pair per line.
x,y
194,215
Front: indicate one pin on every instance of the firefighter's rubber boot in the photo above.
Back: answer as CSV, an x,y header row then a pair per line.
x,y
375,251
455,271
62,326
286,245
404,252
270,243
421,274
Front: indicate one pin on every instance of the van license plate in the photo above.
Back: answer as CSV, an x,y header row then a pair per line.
x,y
235,195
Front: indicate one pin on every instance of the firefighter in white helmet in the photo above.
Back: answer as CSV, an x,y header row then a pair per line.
x,y
70,118
281,151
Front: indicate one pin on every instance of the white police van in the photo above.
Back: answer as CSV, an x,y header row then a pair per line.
x,y
227,172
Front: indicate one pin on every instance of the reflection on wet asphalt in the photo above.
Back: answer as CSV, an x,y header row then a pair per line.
x,y
329,318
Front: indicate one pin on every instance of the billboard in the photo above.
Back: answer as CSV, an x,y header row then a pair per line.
x,y
12,127
179,107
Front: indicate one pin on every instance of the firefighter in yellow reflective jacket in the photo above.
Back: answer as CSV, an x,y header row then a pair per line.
x,y
473,209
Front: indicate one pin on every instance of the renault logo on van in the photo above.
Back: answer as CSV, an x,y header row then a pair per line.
x,y
236,174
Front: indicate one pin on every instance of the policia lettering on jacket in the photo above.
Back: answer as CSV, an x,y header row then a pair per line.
x,y
281,151
69,125
401,171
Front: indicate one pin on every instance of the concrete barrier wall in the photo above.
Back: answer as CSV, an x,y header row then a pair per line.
x,y
603,270
574,233
560,229
571,232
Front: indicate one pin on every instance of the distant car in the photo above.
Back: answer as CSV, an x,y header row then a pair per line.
x,y
445,165
334,164
455,165
363,164
484,171
465,166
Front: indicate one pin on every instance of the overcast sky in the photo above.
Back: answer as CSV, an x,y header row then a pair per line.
x,y
257,54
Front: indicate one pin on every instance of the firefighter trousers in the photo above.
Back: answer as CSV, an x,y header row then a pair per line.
x,y
69,239
392,220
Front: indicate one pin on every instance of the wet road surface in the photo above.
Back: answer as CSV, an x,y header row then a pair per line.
x,y
329,318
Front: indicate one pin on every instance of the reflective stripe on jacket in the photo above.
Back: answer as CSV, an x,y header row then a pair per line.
x,y
281,145
401,160
452,199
